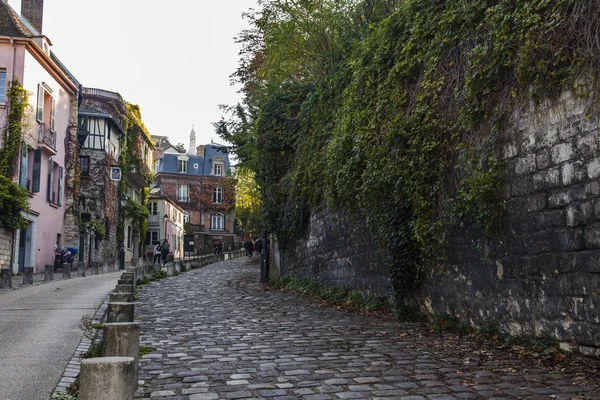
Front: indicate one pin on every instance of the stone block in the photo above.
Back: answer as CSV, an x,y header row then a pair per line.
x,y
562,152
523,165
125,282
170,268
587,145
48,273
66,271
592,236
567,240
579,214
550,219
542,158
115,297
80,269
27,276
5,279
124,289
559,198
546,179
120,312
573,172
593,168
95,268
122,339
107,378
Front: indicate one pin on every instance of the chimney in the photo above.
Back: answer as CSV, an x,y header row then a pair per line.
x,y
33,11
200,150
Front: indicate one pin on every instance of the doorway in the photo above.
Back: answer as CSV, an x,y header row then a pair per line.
x,y
24,256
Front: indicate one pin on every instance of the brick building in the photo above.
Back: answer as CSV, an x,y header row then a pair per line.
x,y
200,183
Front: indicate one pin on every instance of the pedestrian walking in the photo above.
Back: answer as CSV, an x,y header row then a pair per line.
x,y
157,254
258,245
248,245
164,251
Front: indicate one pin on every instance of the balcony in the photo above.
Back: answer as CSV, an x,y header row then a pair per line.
x,y
47,138
154,220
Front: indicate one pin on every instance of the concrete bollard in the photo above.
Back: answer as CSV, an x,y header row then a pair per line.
x,y
177,266
125,282
123,289
130,270
105,268
114,297
81,268
188,265
66,271
5,278
170,269
122,339
27,276
120,312
95,268
48,273
107,378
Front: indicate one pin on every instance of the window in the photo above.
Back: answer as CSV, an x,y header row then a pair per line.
x,y
217,196
182,193
153,208
151,238
186,217
45,102
2,86
156,167
84,165
217,222
82,200
218,169
23,181
129,237
182,165
55,183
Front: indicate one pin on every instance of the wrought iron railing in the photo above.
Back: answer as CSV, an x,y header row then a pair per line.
x,y
47,137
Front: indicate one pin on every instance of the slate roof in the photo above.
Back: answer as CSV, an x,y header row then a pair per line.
x,y
169,162
11,23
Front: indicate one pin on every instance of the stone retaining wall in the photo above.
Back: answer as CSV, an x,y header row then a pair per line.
x,y
540,276
6,241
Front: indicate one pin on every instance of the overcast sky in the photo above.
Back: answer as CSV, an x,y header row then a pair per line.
x,y
172,58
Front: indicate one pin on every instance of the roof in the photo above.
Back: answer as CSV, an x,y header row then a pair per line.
x,y
204,163
92,112
11,23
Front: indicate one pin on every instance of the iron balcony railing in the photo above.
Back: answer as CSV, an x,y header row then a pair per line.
x,y
47,136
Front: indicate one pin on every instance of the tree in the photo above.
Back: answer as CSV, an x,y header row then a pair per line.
x,y
248,203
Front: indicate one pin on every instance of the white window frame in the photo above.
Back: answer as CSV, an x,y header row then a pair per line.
x,y
182,166
219,169
181,190
217,195
217,222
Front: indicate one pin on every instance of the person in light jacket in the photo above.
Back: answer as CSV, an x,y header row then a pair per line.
x,y
157,253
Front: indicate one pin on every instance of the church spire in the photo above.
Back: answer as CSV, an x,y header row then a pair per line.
x,y
192,149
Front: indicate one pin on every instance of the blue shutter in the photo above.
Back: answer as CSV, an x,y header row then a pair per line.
x,y
60,185
37,164
50,180
23,169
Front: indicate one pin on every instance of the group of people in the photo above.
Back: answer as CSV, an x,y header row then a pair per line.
x,y
161,252
218,247
253,247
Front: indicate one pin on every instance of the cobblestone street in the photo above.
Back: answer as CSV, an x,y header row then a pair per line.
x,y
216,333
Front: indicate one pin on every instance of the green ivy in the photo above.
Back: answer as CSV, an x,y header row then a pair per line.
x,y
402,130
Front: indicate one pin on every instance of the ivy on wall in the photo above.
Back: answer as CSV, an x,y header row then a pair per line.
x,y
13,198
401,126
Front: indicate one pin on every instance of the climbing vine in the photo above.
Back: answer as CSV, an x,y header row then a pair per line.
x,y
401,126
13,198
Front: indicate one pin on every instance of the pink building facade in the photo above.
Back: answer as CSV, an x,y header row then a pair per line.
x,y
49,136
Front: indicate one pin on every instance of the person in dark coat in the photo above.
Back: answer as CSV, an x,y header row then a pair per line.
x,y
258,246
164,251
248,245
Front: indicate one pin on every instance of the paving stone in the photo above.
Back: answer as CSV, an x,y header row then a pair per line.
x,y
218,334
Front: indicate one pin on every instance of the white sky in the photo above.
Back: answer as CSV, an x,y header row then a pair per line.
x,y
172,58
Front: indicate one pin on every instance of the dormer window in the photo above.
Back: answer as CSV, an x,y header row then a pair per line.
x,y
218,163
182,164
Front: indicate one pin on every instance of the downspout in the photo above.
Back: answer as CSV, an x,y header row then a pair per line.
x,y
12,74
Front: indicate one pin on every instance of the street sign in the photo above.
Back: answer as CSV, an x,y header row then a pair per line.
x,y
115,173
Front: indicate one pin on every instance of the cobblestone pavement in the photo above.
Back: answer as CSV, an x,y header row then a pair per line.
x,y
216,333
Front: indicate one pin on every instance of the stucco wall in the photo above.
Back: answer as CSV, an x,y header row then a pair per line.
x,y
540,275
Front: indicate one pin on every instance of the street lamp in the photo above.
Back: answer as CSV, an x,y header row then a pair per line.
x,y
122,253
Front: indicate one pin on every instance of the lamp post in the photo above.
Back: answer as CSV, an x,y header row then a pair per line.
x,y
122,252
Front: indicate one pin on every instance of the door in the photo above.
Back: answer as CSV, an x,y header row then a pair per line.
x,y
22,249
81,247
188,245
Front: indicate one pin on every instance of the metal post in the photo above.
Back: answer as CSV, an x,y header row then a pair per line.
x,y
264,261
122,255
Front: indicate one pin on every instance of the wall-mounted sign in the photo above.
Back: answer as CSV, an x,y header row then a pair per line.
x,y
115,173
